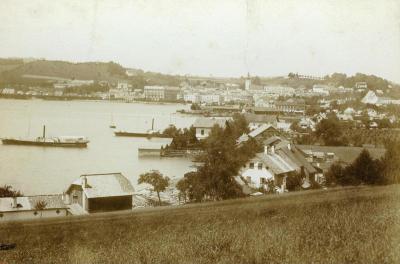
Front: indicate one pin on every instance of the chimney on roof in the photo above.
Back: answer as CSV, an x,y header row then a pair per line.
x,y
14,202
266,150
272,149
84,182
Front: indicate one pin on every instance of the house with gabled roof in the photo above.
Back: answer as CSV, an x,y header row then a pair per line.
x,y
99,192
279,160
204,125
260,133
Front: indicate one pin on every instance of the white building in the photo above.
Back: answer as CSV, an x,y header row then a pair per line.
x,y
191,97
122,86
8,91
247,84
154,93
281,159
279,90
27,207
361,85
204,126
211,99
372,98
320,89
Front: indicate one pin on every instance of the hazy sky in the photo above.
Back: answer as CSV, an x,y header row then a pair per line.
x,y
219,38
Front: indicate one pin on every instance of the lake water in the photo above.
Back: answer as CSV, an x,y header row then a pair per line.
x,y
40,170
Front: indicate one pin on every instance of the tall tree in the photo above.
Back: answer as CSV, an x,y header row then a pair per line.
x,y
155,179
390,163
221,161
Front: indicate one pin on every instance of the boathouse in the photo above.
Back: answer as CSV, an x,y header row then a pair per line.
x,y
92,193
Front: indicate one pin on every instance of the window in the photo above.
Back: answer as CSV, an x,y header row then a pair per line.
x,y
248,179
75,199
202,132
1,215
35,213
260,165
251,165
262,180
58,211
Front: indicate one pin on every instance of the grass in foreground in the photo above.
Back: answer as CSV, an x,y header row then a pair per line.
x,y
352,225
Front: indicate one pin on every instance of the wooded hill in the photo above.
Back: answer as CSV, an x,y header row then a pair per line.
x,y
31,71
64,70
37,72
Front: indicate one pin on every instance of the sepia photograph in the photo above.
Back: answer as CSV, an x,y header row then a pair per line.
x,y
199,131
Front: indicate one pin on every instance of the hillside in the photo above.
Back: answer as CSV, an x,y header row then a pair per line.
x,y
10,64
344,225
83,71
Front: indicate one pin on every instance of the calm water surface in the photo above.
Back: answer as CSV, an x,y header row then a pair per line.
x,y
41,170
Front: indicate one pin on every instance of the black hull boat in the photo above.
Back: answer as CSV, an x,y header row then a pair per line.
x,y
138,134
48,142
65,142
149,134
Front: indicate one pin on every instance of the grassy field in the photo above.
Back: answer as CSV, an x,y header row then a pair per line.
x,y
351,225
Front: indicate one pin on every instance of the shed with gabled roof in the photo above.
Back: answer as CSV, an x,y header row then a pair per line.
x,y
101,192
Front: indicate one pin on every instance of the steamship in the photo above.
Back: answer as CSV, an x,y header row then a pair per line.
x,y
65,141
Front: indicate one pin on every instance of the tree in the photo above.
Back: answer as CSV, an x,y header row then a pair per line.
x,y
221,161
171,131
7,191
384,123
293,182
183,186
195,106
40,206
191,187
390,164
364,169
330,131
155,179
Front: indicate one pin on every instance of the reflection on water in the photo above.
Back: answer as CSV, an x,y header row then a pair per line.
x,y
40,170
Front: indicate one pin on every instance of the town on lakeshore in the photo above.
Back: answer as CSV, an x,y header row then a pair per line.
x,y
291,133
201,132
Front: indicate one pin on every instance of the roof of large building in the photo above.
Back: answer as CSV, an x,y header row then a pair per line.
x,y
209,122
275,163
344,153
260,118
261,129
28,203
286,157
104,185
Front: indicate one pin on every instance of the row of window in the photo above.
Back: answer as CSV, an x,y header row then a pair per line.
x,y
262,180
259,165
